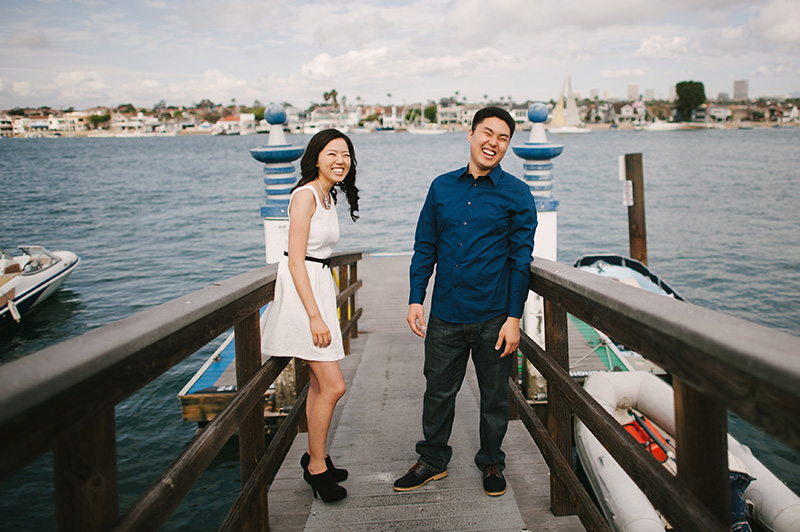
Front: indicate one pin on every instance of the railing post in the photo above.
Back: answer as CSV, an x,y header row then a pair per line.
x,y
353,306
344,310
300,381
701,447
559,421
247,335
85,471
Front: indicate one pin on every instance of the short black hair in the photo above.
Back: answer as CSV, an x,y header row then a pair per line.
x,y
493,111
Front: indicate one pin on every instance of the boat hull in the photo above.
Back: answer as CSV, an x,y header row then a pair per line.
x,y
626,508
30,291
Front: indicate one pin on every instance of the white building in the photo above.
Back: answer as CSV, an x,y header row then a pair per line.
x,y
6,126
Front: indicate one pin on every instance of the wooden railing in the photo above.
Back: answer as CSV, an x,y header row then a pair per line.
x,y
718,363
64,397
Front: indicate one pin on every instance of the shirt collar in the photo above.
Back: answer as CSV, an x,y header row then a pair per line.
x,y
494,174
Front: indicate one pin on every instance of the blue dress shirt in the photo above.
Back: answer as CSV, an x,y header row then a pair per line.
x,y
479,235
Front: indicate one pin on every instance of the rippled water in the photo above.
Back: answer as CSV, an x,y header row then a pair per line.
x,y
154,219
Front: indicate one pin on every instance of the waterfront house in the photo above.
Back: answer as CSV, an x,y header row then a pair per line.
x,y
72,121
6,126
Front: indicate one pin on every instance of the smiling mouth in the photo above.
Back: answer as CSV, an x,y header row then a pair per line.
x,y
489,153
338,171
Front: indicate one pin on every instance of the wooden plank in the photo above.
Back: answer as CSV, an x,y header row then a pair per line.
x,y
85,477
247,335
267,467
60,387
203,407
155,506
750,368
559,420
581,501
665,491
347,294
701,437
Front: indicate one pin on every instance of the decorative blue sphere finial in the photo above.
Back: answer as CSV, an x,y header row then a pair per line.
x,y
537,113
275,114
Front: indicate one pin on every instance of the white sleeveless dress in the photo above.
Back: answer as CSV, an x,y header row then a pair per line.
x,y
287,332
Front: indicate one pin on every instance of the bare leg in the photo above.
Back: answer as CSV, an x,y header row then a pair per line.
x,y
330,388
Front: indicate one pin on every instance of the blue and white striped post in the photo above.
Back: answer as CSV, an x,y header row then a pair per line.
x,y
278,156
538,154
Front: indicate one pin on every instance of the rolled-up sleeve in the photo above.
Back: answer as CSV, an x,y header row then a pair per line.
x,y
425,250
521,237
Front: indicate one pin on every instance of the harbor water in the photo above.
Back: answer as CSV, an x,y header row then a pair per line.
x,y
156,218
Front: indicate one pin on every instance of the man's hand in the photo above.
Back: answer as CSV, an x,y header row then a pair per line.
x,y
509,333
416,319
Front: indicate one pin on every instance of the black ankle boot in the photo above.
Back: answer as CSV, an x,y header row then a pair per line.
x,y
324,484
339,475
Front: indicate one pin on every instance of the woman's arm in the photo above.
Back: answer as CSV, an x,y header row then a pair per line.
x,y
301,210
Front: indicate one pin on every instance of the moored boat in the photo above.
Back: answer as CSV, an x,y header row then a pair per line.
x,y
26,280
638,400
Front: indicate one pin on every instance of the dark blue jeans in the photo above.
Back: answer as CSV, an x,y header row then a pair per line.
x,y
447,350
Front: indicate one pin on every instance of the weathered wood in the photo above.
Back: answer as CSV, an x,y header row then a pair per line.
x,y
202,407
267,467
352,325
60,387
666,492
701,436
559,420
354,280
247,335
301,378
345,258
637,234
85,477
749,368
581,501
155,506
344,308
346,295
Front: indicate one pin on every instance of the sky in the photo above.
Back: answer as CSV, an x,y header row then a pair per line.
x,y
85,53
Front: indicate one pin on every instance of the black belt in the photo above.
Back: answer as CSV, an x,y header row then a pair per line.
x,y
326,263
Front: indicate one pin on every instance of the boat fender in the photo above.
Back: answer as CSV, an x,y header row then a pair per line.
x,y
12,308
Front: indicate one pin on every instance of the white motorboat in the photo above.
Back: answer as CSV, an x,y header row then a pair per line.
x,y
661,125
426,130
631,395
26,280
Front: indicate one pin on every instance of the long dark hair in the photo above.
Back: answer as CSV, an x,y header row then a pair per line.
x,y
309,170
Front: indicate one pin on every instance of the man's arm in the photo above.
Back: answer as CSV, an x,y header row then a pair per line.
x,y
422,263
521,237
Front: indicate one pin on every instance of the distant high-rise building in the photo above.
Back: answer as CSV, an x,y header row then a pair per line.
x,y
673,93
723,96
740,89
633,91
594,93
649,94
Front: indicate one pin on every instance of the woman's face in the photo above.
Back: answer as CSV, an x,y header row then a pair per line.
x,y
334,161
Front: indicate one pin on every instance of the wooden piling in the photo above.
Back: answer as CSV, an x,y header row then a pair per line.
x,y
637,235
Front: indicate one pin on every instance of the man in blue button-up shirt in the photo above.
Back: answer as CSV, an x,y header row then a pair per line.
x,y
476,227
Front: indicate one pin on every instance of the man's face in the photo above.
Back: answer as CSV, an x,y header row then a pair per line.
x,y
487,145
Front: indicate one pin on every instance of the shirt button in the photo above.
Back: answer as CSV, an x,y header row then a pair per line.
x,y
465,223
460,244
474,184
469,203
456,265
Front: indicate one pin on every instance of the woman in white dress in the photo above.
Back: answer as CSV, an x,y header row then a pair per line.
x,y
301,321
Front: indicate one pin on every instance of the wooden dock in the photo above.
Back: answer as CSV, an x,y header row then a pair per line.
x,y
377,424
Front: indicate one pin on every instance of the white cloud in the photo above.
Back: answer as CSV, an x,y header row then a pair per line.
x,y
626,73
35,40
659,47
779,23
